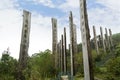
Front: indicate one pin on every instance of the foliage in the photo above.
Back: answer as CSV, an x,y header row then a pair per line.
x,y
42,65
113,68
79,47
79,64
7,67
117,49
116,38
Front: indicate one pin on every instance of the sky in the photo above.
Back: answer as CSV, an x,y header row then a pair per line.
x,y
105,13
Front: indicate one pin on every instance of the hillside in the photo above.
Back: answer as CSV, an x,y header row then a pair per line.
x,y
106,65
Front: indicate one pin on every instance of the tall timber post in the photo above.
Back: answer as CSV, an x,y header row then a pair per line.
x,y
95,40
71,44
65,52
111,41
75,38
23,55
59,52
103,43
62,55
107,39
75,47
85,34
54,41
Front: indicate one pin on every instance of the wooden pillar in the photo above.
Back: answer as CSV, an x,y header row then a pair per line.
x,y
59,52
62,54
54,41
99,41
69,56
71,43
23,55
71,61
103,43
85,34
111,41
95,40
65,52
75,47
75,38
107,39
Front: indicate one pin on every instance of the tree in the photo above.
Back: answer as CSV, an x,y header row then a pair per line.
x,y
113,68
7,66
42,65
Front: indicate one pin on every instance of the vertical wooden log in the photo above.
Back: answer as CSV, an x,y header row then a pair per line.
x,y
54,41
99,41
65,52
103,43
69,47
111,41
23,56
58,51
69,56
71,61
75,47
71,43
62,54
25,38
87,56
75,38
107,39
95,40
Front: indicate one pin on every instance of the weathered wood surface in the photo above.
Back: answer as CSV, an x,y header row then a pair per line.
x,y
54,41
107,39
75,38
71,43
65,52
87,57
25,39
103,43
99,41
71,61
95,40
75,47
59,52
24,46
62,54
111,41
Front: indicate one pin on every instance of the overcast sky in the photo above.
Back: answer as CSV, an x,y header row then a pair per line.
x,y
105,13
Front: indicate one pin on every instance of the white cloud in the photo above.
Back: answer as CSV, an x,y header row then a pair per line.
x,y
41,28
44,2
10,27
107,16
8,4
69,4
40,35
10,32
111,4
